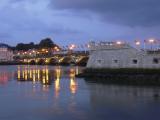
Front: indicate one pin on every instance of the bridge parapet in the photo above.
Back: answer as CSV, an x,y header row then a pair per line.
x,y
108,45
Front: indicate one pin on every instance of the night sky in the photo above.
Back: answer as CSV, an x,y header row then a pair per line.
x,y
78,21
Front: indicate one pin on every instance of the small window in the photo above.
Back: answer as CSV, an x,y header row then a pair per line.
x,y
99,61
155,61
115,61
134,61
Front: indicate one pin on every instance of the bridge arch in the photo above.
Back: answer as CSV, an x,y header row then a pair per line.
x,y
67,60
82,61
53,61
32,62
41,62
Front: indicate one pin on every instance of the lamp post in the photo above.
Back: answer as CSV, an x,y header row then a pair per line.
x,y
118,42
137,43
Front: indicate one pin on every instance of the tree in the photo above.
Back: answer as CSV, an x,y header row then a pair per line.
x,y
46,43
22,46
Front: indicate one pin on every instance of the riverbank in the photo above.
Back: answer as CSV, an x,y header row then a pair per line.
x,y
149,77
11,63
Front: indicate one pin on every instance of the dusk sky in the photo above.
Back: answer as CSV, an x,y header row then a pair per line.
x,y
78,21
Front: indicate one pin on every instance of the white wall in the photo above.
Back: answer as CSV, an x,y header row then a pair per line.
x,y
121,58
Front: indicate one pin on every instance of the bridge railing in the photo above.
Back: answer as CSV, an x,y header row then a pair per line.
x,y
51,54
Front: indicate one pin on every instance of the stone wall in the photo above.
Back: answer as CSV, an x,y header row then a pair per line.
x,y
121,56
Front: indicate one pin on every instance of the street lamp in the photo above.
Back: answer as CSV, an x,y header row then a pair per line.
x,y
137,42
151,41
118,42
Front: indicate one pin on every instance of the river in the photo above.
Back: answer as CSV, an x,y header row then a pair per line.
x,y
53,92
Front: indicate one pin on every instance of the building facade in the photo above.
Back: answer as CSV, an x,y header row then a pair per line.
x,y
5,54
121,55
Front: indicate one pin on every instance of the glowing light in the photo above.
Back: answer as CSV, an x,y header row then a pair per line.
x,y
19,74
47,76
73,85
34,76
55,48
151,40
137,43
38,74
118,42
47,61
72,46
57,82
43,50
26,75
30,73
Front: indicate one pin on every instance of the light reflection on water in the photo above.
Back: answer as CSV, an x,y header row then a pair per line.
x,y
46,93
46,77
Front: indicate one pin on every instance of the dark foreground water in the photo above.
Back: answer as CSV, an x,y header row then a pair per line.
x,y
53,93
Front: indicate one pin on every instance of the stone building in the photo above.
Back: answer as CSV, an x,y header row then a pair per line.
x,y
121,55
5,53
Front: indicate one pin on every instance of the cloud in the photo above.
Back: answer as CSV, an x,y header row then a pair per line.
x,y
78,21
27,20
143,13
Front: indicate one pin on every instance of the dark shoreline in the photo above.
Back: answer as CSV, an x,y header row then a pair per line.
x,y
142,77
21,63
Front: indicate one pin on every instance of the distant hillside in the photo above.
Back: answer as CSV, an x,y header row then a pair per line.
x,y
45,43
5,45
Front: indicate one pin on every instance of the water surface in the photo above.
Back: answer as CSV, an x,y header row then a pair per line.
x,y
47,93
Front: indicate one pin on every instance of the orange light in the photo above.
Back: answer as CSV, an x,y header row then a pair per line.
x,y
43,50
55,48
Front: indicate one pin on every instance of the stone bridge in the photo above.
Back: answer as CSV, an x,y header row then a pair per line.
x,y
58,60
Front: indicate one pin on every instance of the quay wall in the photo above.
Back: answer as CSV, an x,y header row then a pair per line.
x,y
121,56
